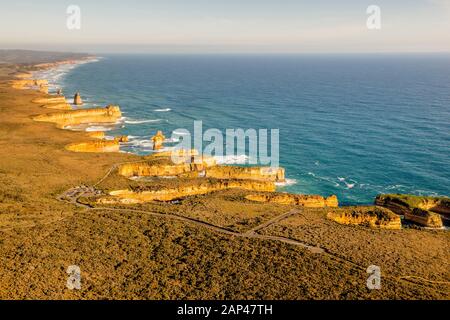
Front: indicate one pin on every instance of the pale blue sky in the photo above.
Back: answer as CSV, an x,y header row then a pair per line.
x,y
227,26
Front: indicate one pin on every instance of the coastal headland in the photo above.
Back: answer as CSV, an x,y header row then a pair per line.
x,y
142,227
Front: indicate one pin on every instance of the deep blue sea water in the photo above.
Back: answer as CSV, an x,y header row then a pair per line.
x,y
350,125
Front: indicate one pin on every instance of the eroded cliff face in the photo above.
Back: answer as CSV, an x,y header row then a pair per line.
x,y
252,173
110,114
169,194
28,83
96,134
50,100
165,167
421,210
309,201
373,217
95,146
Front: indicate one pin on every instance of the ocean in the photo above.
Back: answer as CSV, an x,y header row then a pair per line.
x,y
351,125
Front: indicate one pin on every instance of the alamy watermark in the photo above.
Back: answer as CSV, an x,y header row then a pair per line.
x,y
374,280
74,279
374,19
73,21
214,143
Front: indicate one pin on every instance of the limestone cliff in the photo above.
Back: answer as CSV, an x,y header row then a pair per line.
x,y
418,209
110,114
27,83
50,100
163,168
309,201
96,134
424,218
252,173
373,217
95,146
169,194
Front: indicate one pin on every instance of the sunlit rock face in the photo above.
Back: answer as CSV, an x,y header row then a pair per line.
x,y
373,217
421,210
309,201
110,114
252,173
169,194
95,146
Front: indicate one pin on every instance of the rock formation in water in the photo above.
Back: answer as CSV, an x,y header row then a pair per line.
x,y
418,209
169,194
121,139
77,99
95,146
373,217
158,141
310,201
110,114
59,92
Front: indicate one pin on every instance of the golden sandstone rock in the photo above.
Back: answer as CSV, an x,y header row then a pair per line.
x,y
169,194
121,139
28,83
309,201
253,173
77,99
418,209
50,100
95,146
158,140
43,88
23,75
110,114
96,134
146,169
373,217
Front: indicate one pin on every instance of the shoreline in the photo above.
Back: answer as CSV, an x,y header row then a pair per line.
x,y
118,239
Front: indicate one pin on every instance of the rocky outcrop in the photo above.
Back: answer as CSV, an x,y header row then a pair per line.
x,y
77,99
164,168
58,106
418,209
57,103
28,83
425,218
169,194
23,75
95,146
96,134
373,217
309,201
158,140
110,114
43,88
252,173
50,100
121,139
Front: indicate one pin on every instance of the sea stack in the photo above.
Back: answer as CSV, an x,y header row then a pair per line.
x,y
158,140
77,99
59,92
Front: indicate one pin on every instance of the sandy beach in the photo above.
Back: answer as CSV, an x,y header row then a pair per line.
x,y
64,201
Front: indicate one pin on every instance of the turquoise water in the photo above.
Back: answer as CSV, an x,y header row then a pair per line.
x,y
350,125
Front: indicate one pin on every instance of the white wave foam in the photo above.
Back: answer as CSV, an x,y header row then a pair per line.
x,y
131,121
98,128
163,110
287,182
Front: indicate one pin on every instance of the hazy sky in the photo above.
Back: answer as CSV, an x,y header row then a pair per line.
x,y
227,26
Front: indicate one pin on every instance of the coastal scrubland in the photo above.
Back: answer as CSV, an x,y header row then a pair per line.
x,y
218,245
